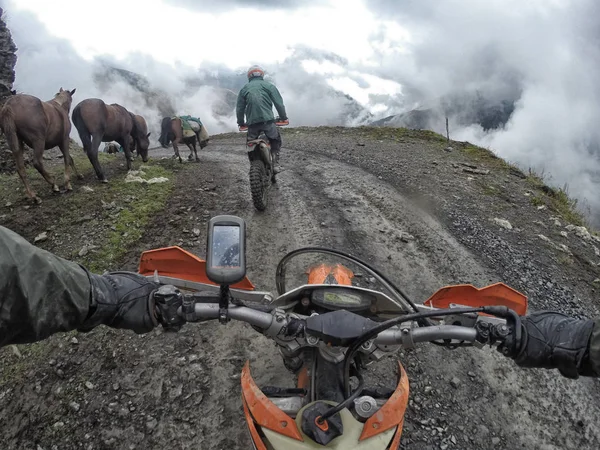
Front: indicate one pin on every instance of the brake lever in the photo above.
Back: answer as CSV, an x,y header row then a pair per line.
x,y
501,333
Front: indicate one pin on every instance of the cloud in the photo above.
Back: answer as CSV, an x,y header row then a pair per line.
x,y
536,64
224,5
46,63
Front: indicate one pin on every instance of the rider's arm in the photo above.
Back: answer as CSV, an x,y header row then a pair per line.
x,y
42,294
241,107
278,102
552,340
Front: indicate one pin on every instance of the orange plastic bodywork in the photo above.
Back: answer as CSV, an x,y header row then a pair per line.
x,y
391,414
263,411
175,262
468,295
303,380
318,274
258,443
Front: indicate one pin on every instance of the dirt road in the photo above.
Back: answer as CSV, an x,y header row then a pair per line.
x,y
110,389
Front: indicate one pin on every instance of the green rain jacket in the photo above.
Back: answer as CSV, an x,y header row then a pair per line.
x,y
40,293
256,100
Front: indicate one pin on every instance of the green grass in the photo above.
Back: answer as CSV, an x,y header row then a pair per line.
x,y
390,133
114,230
16,370
129,224
556,199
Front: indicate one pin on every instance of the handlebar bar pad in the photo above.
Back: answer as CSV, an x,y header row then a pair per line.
x,y
339,328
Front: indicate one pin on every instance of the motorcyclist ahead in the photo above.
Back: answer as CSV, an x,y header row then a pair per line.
x,y
255,101
42,294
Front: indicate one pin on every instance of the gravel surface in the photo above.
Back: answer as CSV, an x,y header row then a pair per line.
x,y
403,203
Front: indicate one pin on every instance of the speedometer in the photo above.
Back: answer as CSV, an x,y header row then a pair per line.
x,y
340,298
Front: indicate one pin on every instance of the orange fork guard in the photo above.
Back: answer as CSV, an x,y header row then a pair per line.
x,y
391,414
468,295
175,262
263,411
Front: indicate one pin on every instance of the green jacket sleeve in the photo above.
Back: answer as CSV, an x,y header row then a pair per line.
x,y
595,349
277,101
241,107
40,293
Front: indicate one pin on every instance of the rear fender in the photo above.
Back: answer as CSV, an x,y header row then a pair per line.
x,y
261,152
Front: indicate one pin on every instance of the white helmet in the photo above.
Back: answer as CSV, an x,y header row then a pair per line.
x,y
255,71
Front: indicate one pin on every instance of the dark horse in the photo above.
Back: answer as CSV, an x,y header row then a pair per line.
x,y
172,131
98,122
40,125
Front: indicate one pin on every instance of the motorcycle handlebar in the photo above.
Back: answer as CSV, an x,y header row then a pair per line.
x,y
406,337
279,123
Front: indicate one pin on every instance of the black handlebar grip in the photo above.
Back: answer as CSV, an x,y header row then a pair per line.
x,y
168,300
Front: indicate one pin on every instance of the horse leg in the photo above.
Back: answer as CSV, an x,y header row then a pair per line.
x,y
176,150
190,144
196,150
93,157
18,154
38,152
127,152
69,163
72,162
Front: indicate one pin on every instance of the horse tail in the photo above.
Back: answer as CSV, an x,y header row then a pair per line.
x,y
165,131
9,128
82,130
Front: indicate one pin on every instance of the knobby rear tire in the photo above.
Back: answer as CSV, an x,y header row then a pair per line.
x,y
258,187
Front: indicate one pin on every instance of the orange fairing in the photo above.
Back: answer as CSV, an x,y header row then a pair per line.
x,y
258,443
319,274
175,262
303,380
391,414
468,295
263,411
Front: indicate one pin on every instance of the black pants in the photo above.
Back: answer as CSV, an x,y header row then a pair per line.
x,y
270,130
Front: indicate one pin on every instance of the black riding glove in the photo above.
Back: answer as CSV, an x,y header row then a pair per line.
x,y
122,300
553,340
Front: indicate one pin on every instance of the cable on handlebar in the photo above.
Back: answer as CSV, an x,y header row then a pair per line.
x,y
388,324
374,332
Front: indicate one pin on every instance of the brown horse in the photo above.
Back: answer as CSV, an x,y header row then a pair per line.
x,y
98,122
140,135
25,119
172,130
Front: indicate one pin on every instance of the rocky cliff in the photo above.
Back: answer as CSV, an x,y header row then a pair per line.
x,y
8,59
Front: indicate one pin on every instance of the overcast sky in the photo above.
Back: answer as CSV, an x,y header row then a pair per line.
x,y
390,55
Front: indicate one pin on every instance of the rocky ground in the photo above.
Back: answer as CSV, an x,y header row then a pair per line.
x,y
472,219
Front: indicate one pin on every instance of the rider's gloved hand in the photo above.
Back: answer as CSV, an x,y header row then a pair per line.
x,y
553,340
122,300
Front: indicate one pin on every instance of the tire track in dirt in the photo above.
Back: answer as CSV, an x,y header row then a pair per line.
x,y
182,390
320,201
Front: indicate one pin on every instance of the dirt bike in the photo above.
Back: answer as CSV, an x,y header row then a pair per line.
x,y
262,174
327,329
